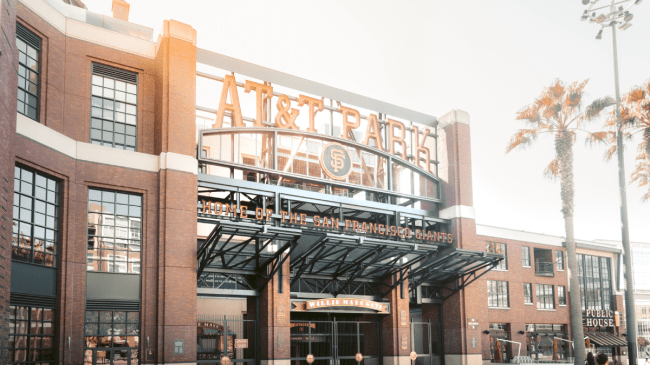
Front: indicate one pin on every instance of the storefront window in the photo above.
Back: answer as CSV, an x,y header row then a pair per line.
x,y
31,335
111,335
539,342
498,331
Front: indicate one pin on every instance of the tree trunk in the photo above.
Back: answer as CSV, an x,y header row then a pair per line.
x,y
564,151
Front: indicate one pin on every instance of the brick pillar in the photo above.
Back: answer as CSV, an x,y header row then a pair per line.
x,y
395,327
275,307
173,276
8,95
461,346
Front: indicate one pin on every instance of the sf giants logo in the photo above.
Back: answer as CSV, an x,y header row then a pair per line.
x,y
338,159
335,160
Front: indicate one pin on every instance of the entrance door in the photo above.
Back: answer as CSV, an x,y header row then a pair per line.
x,y
335,342
111,356
426,342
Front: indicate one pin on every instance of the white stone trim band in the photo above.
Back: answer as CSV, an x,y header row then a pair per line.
x,y
458,211
83,151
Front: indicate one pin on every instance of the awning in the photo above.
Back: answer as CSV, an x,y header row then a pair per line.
x,y
604,339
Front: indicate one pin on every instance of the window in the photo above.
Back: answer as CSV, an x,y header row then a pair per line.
x,y
29,49
594,275
36,218
528,293
545,297
498,294
525,256
114,107
561,295
112,329
559,260
496,247
31,335
114,231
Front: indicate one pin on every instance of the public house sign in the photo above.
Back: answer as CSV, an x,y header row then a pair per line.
x,y
601,318
286,119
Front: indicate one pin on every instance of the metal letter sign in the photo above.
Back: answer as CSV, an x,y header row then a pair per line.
x,y
336,161
179,347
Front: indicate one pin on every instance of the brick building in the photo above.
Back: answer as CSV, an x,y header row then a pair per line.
x,y
281,220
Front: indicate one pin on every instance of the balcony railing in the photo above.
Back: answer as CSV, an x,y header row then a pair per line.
x,y
544,269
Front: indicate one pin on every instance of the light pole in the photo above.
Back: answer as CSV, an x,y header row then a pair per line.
x,y
611,14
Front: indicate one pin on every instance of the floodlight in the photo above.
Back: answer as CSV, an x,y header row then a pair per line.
x,y
600,34
600,18
625,26
628,17
585,2
585,15
637,2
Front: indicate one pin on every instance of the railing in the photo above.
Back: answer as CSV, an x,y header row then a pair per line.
x,y
544,269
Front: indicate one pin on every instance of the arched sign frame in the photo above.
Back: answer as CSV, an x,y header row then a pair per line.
x,y
276,132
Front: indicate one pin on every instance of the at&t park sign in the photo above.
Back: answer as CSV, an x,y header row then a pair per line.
x,y
286,119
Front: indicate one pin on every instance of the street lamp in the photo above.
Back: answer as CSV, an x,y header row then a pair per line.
x,y
610,14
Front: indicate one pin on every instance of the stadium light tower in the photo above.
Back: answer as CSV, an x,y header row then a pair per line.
x,y
613,14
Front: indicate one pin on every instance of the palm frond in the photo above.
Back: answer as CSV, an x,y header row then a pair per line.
x,y
594,109
522,139
552,170
609,153
597,138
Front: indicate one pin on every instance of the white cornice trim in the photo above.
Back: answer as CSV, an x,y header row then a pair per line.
x,y
90,33
83,151
458,211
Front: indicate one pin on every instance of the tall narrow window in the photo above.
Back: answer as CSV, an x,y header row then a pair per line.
x,y
36,218
114,231
112,335
29,50
525,256
114,102
497,294
545,296
31,335
561,295
559,260
496,247
528,293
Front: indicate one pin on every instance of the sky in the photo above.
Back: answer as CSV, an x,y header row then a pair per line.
x,y
488,58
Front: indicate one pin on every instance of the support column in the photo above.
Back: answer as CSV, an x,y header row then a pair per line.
x,y
274,318
8,92
461,345
174,273
395,327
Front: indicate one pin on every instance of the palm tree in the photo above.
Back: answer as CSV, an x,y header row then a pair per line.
x,y
558,111
635,118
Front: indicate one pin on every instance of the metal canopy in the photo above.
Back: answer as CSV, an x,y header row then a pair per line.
x,y
246,249
347,258
452,271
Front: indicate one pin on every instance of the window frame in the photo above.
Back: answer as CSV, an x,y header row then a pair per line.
x,y
99,123
494,247
528,295
559,260
525,257
496,293
545,299
600,286
88,326
131,246
55,217
38,71
561,295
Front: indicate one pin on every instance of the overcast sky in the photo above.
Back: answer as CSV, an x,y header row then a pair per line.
x,y
489,58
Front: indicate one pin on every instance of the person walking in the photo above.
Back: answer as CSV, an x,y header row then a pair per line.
x,y
646,358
